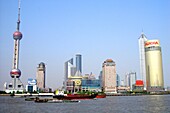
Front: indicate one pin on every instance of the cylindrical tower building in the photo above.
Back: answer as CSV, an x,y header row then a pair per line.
x,y
154,69
41,76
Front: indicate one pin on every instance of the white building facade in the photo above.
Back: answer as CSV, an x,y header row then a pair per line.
x,y
142,39
132,79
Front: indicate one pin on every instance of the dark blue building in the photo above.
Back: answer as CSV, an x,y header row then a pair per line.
x,y
78,63
91,85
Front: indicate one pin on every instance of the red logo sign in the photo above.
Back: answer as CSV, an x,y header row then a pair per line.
x,y
152,43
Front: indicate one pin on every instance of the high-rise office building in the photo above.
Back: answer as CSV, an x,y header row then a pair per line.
x,y
122,83
142,39
69,69
15,73
127,80
109,76
40,76
130,79
154,69
117,80
72,71
132,76
100,78
78,63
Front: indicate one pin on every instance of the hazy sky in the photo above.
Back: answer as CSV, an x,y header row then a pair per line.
x,y
55,30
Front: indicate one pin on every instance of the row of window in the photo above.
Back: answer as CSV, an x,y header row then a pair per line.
x,y
10,86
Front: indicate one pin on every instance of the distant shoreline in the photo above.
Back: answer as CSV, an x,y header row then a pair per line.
x,y
133,94
111,94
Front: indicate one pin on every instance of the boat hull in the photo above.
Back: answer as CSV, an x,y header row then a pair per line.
x,y
37,100
75,96
101,96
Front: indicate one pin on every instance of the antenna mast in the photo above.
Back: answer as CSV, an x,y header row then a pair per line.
x,y
18,22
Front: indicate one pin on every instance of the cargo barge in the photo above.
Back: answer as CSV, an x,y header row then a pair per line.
x,y
75,96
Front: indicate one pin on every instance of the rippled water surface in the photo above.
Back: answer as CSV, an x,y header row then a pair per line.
x,y
116,104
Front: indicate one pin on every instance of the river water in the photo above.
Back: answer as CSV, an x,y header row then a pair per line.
x,y
114,104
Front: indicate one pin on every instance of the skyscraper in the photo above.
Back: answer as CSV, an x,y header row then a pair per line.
x,y
117,80
127,80
122,83
100,78
154,69
16,84
109,76
69,70
72,71
130,79
132,76
142,40
78,63
40,76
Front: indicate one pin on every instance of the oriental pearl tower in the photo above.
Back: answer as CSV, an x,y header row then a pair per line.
x,y
15,73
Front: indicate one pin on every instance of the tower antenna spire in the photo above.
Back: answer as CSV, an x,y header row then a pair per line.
x,y
18,22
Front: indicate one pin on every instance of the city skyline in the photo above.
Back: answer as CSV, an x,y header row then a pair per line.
x,y
56,30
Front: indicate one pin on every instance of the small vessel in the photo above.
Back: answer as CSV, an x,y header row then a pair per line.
x,y
38,100
101,95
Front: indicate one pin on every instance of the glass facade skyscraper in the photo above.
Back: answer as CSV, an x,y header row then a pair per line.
x,y
117,80
90,85
78,63
132,76
67,68
71,70
142,39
